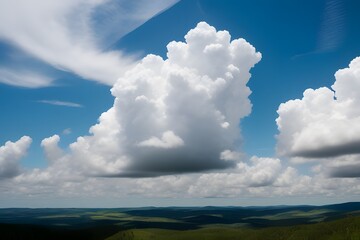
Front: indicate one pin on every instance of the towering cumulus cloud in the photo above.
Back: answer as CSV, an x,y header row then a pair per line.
x,y
325,124
176,115
10,154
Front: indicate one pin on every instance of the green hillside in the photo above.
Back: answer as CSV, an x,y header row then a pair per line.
x,y
273,222
343,229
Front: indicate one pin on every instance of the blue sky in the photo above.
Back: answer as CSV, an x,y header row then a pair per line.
x,y
55,80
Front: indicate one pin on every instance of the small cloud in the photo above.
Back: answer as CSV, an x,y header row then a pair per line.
x,y
51,149
24,78
61,103
66,131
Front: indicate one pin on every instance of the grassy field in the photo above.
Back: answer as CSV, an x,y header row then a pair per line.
x,y
313,214
128,218
338,221
344,229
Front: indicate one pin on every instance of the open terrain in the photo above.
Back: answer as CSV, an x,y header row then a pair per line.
x,y
341,221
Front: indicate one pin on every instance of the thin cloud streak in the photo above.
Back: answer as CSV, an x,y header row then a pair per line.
x,y
24,78
61,103
332,29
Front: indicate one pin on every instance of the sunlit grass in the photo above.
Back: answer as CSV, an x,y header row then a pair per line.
x,y
344,229
294,214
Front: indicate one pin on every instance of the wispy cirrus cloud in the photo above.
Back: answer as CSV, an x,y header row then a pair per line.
x,y
71,35
24,78
61,103
332,29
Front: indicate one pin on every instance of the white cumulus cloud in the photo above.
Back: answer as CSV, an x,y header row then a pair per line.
x,y
175,115
240,185
51,148
10,154
325,124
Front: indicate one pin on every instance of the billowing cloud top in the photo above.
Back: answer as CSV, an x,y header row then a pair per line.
x,y
10,154
325,123
176,115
